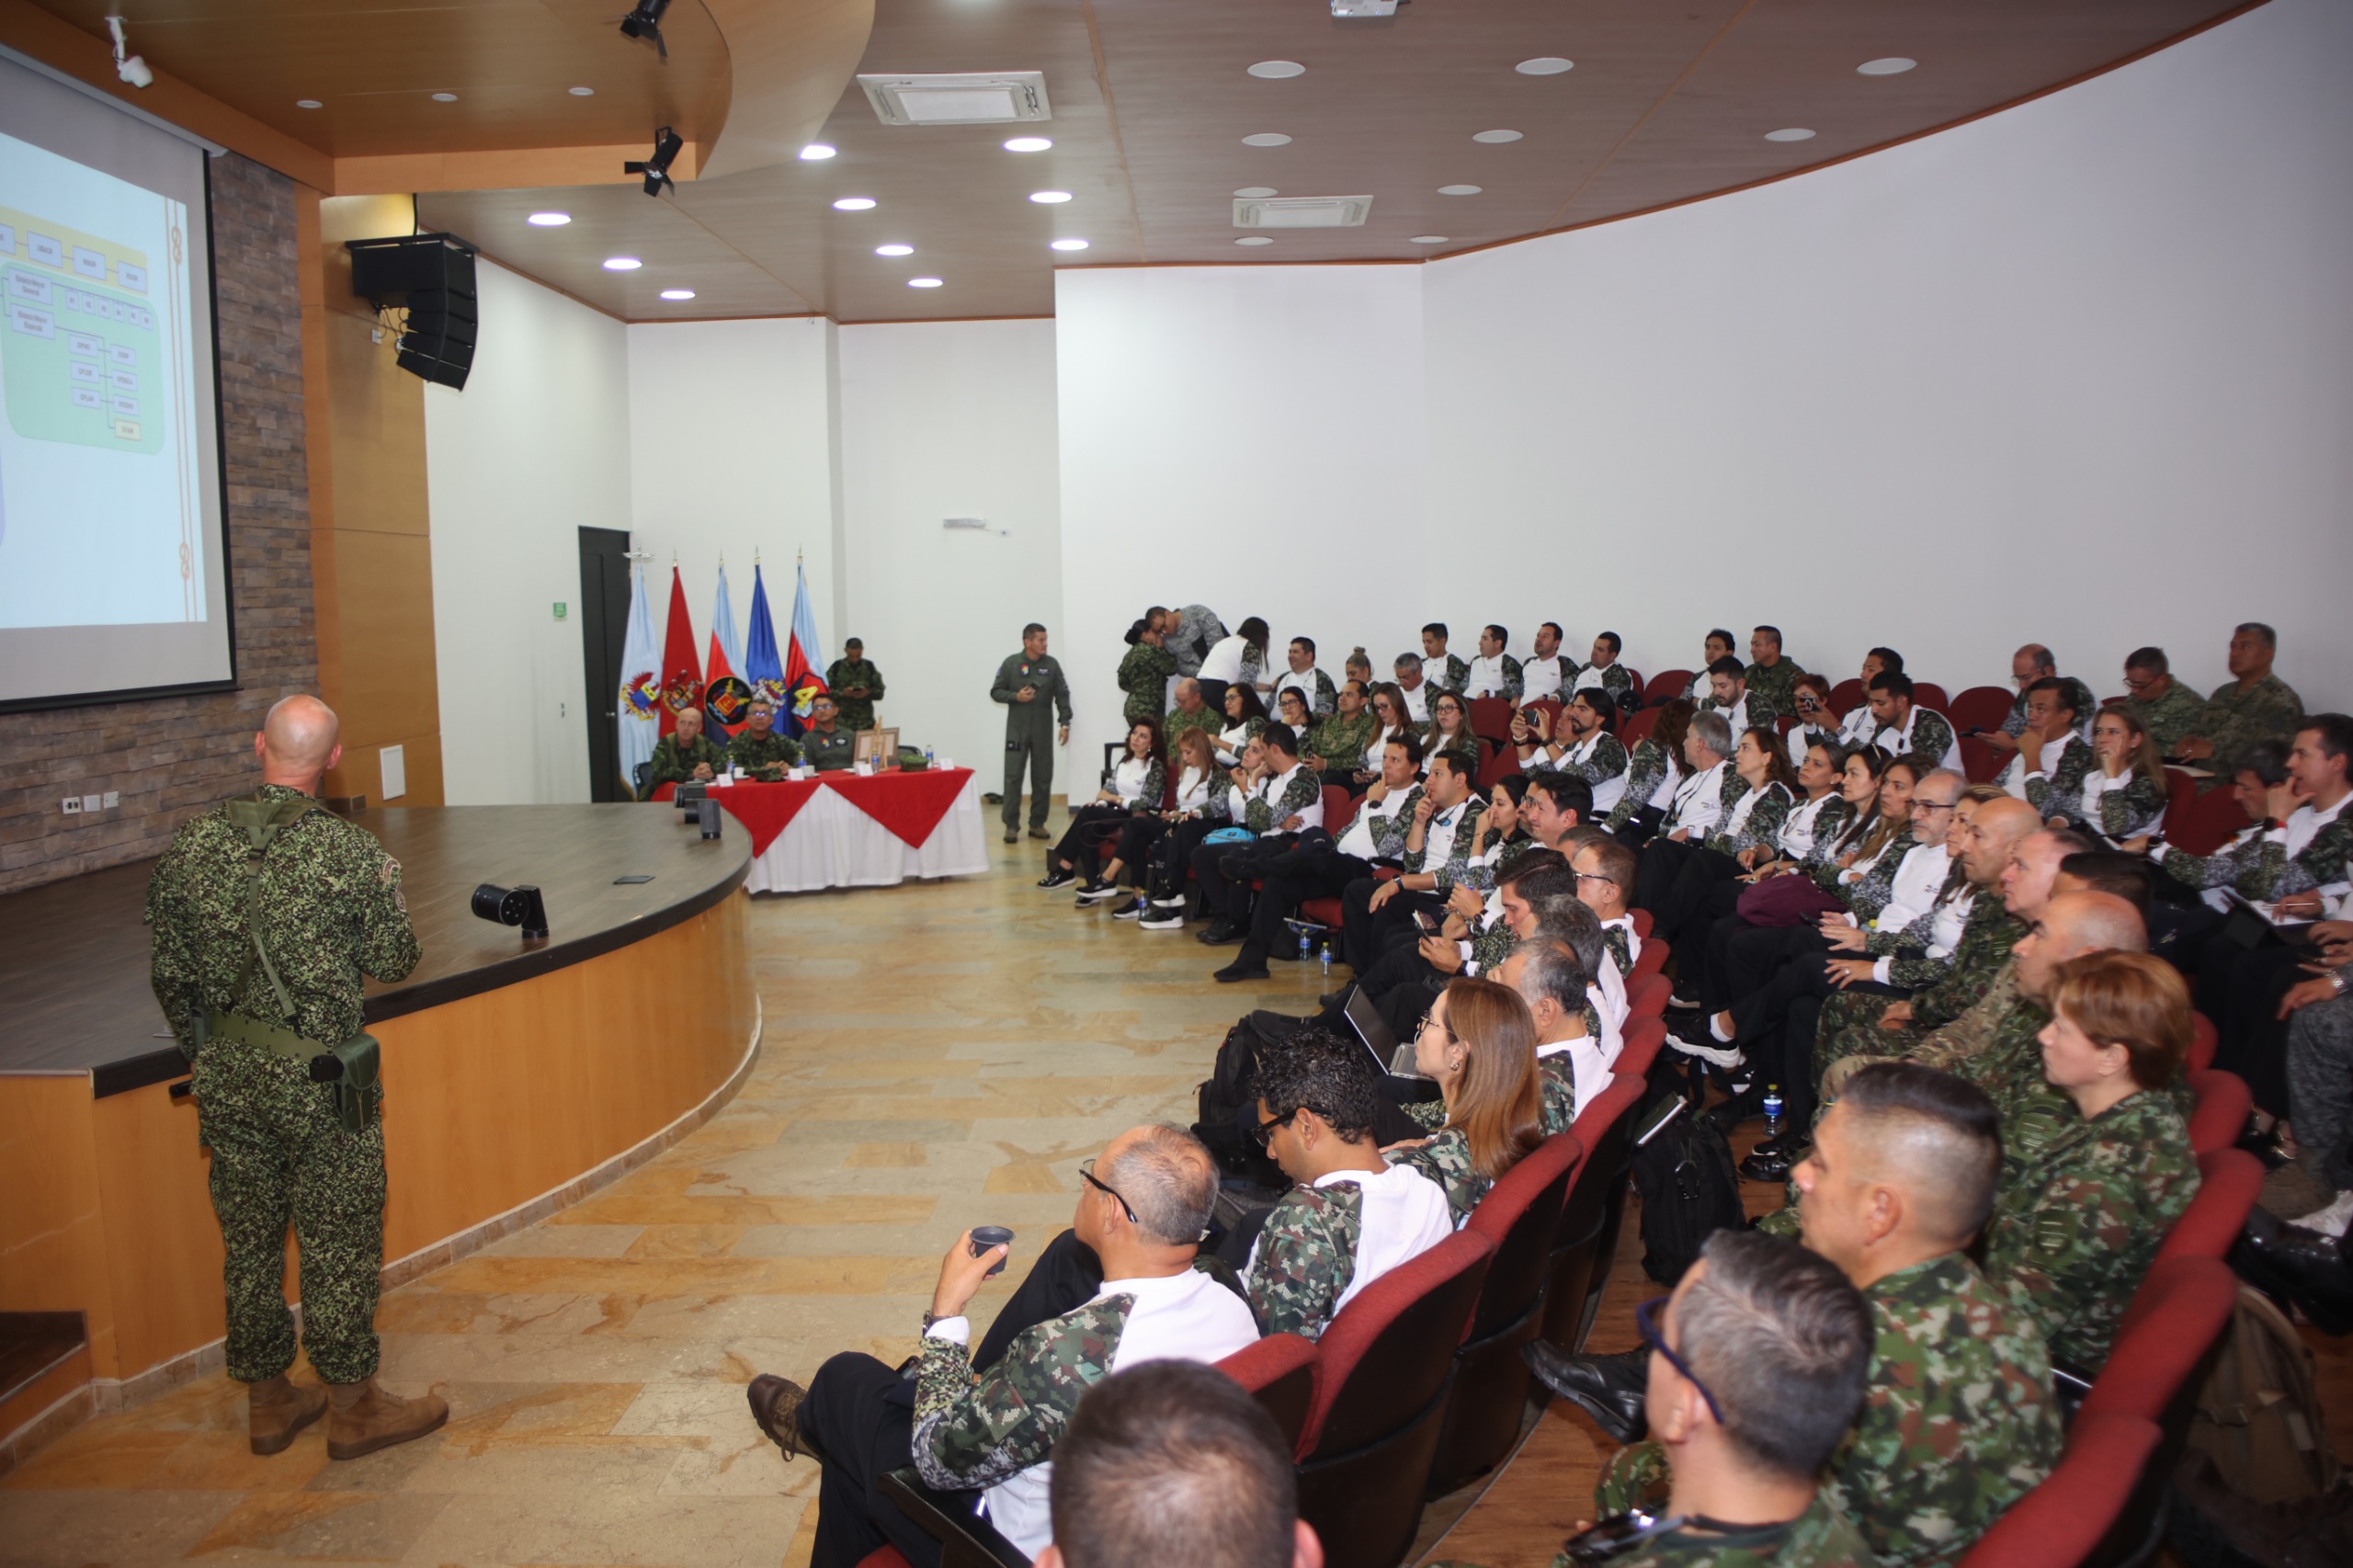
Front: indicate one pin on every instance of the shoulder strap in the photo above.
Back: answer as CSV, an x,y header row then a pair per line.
x,y
261,821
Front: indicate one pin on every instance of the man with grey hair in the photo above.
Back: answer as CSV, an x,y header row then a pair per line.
x,y
1572,1069
2253,705
1710,788
1418,690
1115,1290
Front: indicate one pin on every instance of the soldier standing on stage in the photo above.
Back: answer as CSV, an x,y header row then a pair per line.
x,y
1027,683
268,911
857,686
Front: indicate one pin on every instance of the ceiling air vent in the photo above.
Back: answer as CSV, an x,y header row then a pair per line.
x,y
1301,212
985,97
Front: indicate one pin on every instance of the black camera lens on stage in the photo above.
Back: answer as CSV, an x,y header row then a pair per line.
x,y
517,905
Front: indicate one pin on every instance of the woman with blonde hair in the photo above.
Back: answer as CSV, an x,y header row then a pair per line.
x,y
2081,1212
2121,794
1478,1042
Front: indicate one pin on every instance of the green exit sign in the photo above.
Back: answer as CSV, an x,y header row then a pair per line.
x,y
559,609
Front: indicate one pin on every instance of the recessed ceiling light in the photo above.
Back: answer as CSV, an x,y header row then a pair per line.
x,y
895,250
1275,70
308,103
548,220
1255,192
1494,136
1028,144
1066,244
677,293
1254,239
1790,134
1543,65
1429,239
582,92
854,204
816,152
445,98
622,264
1266,139
1459,189
1050,197
923,282
1894,65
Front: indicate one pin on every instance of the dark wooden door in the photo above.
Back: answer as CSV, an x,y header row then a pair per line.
x,y
603,629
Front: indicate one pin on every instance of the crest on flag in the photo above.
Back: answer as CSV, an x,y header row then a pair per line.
x,y
638,714
728,701
641,692
761,665
681,676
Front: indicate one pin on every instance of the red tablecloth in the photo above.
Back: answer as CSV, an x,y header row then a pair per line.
x,y
909,804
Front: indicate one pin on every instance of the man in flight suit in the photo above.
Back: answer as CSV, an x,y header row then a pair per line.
x,y
1027,683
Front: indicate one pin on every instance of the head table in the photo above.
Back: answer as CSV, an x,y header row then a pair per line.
x,y
840,830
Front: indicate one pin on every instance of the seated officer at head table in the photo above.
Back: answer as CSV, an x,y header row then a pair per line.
x,y
687,756
759,750
857,686
830,748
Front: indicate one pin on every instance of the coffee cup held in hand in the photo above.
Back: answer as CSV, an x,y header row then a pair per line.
x,y
987,1236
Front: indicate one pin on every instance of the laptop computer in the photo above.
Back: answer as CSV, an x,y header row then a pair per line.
x,y
1394,1058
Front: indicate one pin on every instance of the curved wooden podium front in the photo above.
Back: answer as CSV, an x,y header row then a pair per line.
x,y
518,1075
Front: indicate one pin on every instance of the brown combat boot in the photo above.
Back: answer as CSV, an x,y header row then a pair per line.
x,y
366,1419
277,1409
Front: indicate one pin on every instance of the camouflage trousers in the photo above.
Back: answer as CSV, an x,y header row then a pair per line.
x,y
1635,1477
281,1156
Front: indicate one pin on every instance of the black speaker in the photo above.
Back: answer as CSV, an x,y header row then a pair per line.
x,y
433,275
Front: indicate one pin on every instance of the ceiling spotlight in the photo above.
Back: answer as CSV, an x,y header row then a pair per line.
x,y
895,250
445,98
1791,133
668,145
1254,239
923,282
1428,239
1066,244
1544,65
1894,65
1275,70
677,293
1459,189
816,152
1495,137
1266,139
1255,192
308,103
582,92
854,204
129,66
645,21
1028,144
622,264
548,220
1050,197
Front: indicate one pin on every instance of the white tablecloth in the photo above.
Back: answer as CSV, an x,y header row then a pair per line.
x,y
831,844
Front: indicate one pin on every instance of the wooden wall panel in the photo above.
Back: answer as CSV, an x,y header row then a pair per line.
x,y
164,1248
52,1225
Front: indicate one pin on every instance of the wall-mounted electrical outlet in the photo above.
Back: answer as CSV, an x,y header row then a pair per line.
x,y
72,806
114,799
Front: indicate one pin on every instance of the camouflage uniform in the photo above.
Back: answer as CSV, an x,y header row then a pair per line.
x,y
1617,679
2256,863
1446,1160
1645,771
1452,859
2076,1227
856,713
1971,1034
676,764
2059,792
1778,686
2123,813
1263,816
1178,722
1957,1424
1450,673
1306,1257
2176,714
1762,824
829,751
1197,629
1338,742
1932,736
1851,1025
2234,720
1821,1537
764,756
1565,667
972,1432
330,913
1143,676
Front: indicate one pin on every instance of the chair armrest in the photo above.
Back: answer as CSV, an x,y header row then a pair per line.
x,y
966,1539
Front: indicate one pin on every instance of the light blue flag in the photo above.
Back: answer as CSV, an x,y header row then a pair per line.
x,y
638,711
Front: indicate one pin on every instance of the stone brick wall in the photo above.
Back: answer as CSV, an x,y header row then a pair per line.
x,y
171,757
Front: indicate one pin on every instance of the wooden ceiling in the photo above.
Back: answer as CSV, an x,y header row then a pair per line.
x,y
1668,100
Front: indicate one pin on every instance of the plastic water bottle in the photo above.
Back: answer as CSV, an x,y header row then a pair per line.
x,y
1326,956
927,762
1772,1111
1303,946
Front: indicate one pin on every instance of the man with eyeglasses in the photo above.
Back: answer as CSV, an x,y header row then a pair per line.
x,y
1118,1288
2168,710
1958,1421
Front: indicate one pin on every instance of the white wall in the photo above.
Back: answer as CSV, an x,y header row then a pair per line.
x,y
1249,440
535,449
948,419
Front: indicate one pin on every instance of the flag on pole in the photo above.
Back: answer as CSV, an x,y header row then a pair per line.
x,y
761,665
800,676
726,700
639,712
681,680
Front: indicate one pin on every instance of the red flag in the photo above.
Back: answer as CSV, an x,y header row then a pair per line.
x,y
681,681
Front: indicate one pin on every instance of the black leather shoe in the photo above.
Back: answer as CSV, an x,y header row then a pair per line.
x,y
1332,1000
2308,1268
1761,1166
1219,934
1248,964
1607,1388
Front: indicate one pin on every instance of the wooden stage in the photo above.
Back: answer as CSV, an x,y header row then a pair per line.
x,y
516,1072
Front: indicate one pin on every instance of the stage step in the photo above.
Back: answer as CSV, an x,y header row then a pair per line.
x,y
43,1357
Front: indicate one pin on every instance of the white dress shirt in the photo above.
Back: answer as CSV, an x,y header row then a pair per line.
x,y
1404,1215
1917,882
1224,662
1589,1071
1540,678
1486,678
2013,776
1127,778
1901,742
1304,683
1194,787
1795,841
1609,790
1698,804
1417,702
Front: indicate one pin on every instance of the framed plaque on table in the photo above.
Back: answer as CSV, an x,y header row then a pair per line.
x,y
878,748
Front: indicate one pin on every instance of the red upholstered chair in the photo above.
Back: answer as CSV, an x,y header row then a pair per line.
x,y
1490,717
1643,923
1281,1370
1978,707
1784,724
2176,1317
1980,761
1323,912
1501,763
1339,810
1929,694
887,1557
1639,1046
2064,1521
1388,1359
1637,727
1665,687
1519,1216
2219,1104
2202,1042
1648,993
1649,961
1846,695
2229,1181
2196,824
1579,1261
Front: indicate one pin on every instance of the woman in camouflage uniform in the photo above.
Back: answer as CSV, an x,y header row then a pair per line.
x,y
2121,793
1479,1043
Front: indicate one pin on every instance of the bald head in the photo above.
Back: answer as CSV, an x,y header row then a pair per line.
x,y
2070,926
1994,830
298,742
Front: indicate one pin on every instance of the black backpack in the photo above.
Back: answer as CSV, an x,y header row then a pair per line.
x,y
1683,1169
1229,1099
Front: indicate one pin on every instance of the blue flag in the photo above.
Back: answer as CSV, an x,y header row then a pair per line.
x,y
762,665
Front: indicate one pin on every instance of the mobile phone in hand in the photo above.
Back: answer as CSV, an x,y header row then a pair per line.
x,y
1422,918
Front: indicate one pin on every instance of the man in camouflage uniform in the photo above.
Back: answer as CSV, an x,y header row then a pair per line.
x,y
2167,710
1032,686
991,1422
1771,674
1606,673
1958,1419
1335,747
2253,705
856,685
828,746
268,912
1144,671
686,755
1548,674
760,751
1191,713
1312,685
1493,673
1191,632
1441,669
1570,1067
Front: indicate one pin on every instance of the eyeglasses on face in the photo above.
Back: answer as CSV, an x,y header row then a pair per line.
x,y
1264,1134
1087,1175
1595,877
1646,1324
